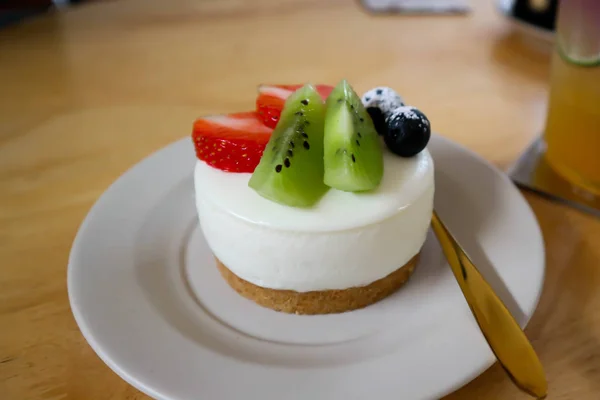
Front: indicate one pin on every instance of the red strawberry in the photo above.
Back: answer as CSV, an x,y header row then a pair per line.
x,y
233,142
271,99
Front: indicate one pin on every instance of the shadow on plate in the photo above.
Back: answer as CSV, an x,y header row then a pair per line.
x,y
468,227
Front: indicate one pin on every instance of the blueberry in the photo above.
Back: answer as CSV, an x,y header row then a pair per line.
x,y
380,102
408,131
378,119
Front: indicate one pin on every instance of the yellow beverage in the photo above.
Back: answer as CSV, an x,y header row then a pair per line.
x,y
573,124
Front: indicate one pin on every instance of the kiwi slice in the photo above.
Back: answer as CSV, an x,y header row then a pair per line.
x,y
290,171
352,150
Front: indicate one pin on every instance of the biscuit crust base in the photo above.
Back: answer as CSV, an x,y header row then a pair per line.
x,y
321,301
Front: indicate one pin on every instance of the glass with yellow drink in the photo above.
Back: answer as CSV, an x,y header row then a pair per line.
x,y
572,132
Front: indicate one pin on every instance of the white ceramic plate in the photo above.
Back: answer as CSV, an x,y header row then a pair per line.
x,y
148,298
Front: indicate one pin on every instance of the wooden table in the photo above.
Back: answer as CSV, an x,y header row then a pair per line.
x,y
88,92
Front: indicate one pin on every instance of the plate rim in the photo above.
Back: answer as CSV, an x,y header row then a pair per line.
x,y
88,334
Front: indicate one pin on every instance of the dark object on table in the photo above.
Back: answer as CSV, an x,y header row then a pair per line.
x,y
13,11
539,13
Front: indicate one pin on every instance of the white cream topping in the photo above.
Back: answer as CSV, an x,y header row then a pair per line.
x,y
345,240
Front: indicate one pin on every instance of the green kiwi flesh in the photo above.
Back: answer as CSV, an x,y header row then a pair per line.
x,y
291,169
353,155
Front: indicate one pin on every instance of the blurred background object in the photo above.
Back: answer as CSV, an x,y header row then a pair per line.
x,y
532,172
539,13
573,126
14,11
417,6
533,17
571,142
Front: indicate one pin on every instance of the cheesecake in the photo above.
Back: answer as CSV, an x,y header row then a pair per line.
x,y
344,251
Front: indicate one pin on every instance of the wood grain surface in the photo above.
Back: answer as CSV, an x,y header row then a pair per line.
x,y
88,92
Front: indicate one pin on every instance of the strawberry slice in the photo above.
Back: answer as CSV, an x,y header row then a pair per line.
x,y
271,99
233,143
